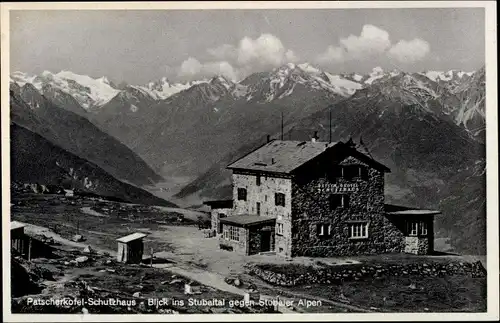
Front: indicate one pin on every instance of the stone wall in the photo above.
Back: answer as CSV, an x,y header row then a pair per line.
x,y
241,246
287,276
417,245
216,215
310,207
264,194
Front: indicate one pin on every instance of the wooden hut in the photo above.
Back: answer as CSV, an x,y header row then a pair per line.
x,y
131,248
18,238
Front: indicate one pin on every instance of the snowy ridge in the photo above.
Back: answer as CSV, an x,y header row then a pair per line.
x,y
87,91
162,89
283,80
446,76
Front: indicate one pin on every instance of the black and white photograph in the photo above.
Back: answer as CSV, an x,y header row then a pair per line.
x,y
241,161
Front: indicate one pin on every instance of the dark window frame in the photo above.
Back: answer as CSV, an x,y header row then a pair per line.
x,y
242,194
279,199
344,201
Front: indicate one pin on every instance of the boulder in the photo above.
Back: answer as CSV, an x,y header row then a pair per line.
x,y
137,294
77,238
82,259
237,282
88,249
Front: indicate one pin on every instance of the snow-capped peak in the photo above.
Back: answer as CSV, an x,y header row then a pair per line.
x,y
87,91
437,76
376,73
219,79
163,89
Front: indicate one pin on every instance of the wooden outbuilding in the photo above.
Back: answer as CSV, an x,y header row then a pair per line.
x,y
131,248
19,241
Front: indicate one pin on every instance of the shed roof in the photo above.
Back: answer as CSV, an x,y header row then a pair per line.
x,y
132,237
17,225
282,156
220,204
245,220
404,210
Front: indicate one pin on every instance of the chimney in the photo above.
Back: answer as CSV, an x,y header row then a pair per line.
x,y
268,138
315,137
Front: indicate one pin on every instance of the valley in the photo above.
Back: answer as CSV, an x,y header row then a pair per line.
x,y
174,140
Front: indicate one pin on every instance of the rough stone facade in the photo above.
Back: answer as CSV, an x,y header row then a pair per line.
x,y
310,207
270,184
334,205
216,215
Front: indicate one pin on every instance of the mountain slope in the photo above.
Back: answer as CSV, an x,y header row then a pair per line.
x,y
89,92
78,136
433,160
36,160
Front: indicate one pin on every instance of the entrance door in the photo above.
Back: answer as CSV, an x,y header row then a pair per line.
x,y
265,241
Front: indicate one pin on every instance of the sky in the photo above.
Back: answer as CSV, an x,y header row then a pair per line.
x,y
141,46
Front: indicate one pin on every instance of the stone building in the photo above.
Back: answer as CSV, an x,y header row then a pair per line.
x,y
218,210
318,199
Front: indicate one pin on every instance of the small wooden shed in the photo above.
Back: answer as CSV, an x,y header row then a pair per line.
x,y
131,248
18,238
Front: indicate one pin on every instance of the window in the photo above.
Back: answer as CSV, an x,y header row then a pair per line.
x,y
423,228
279,228
242,194
279,199
258,208
358,230
334,174
234,233
324,230
257,180
363,172
413,228
339,201
350,172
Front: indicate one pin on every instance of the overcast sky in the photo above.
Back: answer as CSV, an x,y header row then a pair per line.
x,y
139,46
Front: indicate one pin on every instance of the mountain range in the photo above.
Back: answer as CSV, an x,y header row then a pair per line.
x,y
428,127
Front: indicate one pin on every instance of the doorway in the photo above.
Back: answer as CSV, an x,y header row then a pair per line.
x,y
265,241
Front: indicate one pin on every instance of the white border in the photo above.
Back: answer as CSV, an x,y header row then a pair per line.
x,y
491,154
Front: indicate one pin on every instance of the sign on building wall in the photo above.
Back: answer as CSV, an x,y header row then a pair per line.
x,y
337,188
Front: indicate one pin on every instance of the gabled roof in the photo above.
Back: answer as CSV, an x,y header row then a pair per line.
x,y
17,225
280,156
132,237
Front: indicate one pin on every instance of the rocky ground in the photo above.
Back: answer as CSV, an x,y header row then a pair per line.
x,y
95,278
182,253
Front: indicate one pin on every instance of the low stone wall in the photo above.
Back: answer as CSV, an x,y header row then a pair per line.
x,y
293,275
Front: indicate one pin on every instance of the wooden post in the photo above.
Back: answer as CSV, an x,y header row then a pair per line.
x,y
151,262
29,250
